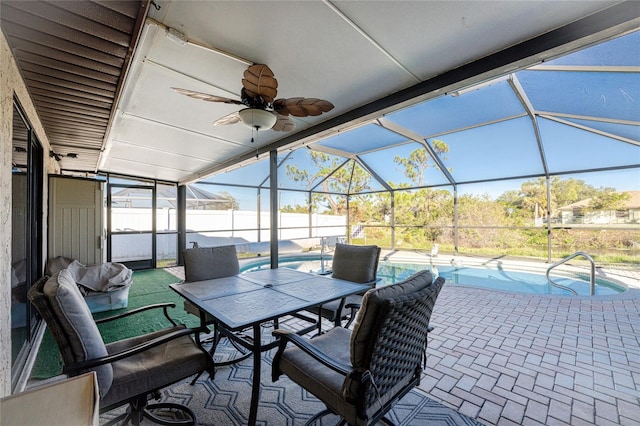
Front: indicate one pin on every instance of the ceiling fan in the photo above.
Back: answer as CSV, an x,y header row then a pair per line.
x,y
259,89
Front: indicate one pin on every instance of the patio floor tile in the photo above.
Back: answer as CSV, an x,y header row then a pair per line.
x,y
552,360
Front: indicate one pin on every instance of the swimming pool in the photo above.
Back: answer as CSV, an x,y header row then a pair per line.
x,y
492,275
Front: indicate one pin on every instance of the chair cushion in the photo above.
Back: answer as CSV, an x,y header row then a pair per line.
x,y
206,263
318,379
154,368
367,322
77,322
355,263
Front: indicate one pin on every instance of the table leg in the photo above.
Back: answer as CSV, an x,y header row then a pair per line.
x,y
257,361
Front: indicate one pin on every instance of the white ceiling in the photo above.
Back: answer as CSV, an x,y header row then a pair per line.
x,y
351,53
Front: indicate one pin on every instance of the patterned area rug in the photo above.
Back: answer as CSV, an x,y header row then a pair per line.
x,y
225,400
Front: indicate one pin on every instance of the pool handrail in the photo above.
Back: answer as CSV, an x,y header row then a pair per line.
x,y
592,279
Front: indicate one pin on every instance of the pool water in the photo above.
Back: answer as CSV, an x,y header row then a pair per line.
x,y
475,276
500,279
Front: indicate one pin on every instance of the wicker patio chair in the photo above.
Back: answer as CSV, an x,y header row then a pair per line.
x,y
360,374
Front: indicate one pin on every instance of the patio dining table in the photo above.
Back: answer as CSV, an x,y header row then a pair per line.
x,y
249,300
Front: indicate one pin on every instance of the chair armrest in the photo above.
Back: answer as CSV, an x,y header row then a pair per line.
x,y
286,336
164,306
95,362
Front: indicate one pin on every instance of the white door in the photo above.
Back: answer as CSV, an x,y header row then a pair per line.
x,y
76,225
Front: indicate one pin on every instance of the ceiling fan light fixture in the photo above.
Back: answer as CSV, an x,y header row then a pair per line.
x,y
258,119
264,111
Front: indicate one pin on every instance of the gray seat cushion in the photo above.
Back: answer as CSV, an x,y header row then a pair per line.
x,y
77,323
312,375
154,368
355,263
207,263
367,318
351,263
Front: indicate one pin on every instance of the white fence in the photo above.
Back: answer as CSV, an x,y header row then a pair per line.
x,y
216,227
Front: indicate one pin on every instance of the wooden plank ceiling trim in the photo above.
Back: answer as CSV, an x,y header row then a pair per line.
x,y
73,56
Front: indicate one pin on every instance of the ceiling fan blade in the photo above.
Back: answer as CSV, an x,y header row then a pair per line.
x,y
232,118
283,124
205,96
259,81
302,107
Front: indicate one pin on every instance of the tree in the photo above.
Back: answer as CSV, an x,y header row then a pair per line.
x,y
416,165
511,202
427,209
608,199
534,197
348,179
477,211
297,208
233,203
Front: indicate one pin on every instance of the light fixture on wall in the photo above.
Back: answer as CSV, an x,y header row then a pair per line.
x,y
59,157
258,119
181,39
176,36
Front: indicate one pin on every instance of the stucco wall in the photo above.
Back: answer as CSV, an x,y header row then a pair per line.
x,y
5,219
12,83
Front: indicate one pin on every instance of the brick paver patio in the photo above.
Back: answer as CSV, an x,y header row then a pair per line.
x,y
522,359
519,359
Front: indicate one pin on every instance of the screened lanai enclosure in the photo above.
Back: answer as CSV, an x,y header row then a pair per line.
x,y
539,163
458,130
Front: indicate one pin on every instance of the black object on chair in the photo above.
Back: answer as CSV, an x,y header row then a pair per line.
x,y
207,263
359,375
351,263
129,371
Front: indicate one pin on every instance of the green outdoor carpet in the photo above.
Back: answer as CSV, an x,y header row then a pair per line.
x,y
149,287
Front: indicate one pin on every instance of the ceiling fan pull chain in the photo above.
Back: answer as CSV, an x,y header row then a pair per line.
x,y
256,139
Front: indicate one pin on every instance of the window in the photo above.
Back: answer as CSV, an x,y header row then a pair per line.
x,y
26,239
